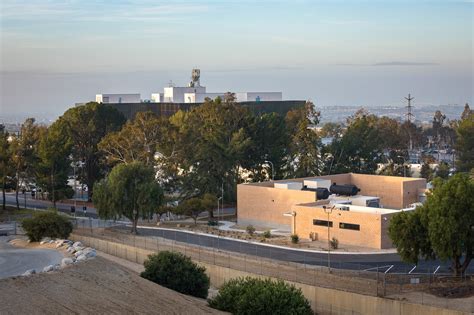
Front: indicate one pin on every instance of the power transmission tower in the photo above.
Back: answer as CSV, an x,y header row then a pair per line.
x,y
409,115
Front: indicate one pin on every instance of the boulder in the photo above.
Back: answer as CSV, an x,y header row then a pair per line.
x,y
48,268
45,240
78,253
81,258
29,272
71,250
77,244
66,262
89,252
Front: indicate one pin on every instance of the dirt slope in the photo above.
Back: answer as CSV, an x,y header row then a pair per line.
x,y
95,287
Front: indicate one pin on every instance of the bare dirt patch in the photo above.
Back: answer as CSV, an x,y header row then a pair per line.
x,y
95,287
454,290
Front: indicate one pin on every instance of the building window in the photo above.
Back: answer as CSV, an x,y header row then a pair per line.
x,y
349,226
322,222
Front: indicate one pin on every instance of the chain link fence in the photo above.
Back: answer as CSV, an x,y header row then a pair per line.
x,y
299,267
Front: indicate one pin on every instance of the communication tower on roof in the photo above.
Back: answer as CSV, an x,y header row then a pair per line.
x,y
409,116
195,76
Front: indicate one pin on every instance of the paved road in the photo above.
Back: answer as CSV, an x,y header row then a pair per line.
x,y
66,207
15,261
340,261
44,204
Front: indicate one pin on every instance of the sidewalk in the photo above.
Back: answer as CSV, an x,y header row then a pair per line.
x,y
227,226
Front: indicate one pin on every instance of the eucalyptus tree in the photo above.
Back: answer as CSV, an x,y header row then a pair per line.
x,y
54,163
359,149
131,191
304,155
212,144
85,126
24,153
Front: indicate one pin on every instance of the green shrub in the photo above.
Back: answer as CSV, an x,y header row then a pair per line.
x,y
258,296
250,229
295,238
334,243
212,223
177,272
46,224
267,234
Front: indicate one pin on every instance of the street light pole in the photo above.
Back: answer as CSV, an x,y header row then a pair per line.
x,y
328,211
273,169
75,190
218,200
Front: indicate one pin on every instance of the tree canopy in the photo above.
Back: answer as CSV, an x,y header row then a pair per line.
x,y
54,151
85,126
465,143
138,140
130,190
442,228
24,153
5,162
304,143
359,149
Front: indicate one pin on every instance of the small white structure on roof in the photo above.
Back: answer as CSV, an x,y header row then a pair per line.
x,y
118,98
289,185
317,183
195,93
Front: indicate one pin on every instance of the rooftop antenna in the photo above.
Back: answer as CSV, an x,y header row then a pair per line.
x,y
409,115
171,84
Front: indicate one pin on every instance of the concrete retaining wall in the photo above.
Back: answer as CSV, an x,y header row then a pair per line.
x,y
323,300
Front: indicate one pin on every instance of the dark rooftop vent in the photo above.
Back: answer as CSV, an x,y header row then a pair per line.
x,y
344,190
321,193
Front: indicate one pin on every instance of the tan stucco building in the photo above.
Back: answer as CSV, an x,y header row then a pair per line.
x,y
360,220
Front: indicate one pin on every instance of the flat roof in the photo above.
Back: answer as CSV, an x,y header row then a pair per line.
x,y
333,178
352,208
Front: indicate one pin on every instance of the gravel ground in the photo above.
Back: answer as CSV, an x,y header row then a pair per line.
x,y
97,286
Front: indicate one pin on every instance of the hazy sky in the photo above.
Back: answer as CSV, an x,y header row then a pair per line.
x,y
56,53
